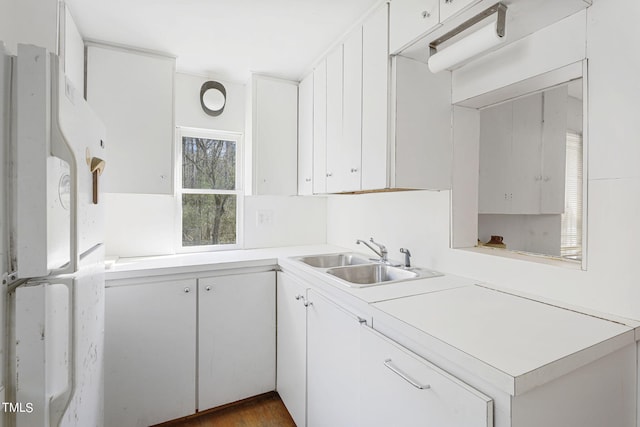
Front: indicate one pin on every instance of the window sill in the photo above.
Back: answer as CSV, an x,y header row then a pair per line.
x,y
527,256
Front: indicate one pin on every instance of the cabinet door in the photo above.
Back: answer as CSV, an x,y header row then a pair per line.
x,y
132,94
236,337
320,128
305,136
292,346
375,100
448,8
554,151
423,141
275,136
347,175
333,348
524,165
409,19
401,389
496,124
334,119
150,353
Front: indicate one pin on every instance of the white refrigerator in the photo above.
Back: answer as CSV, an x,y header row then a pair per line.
x,y
55,299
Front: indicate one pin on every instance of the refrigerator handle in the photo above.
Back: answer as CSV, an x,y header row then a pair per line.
x,y
59,402
61,148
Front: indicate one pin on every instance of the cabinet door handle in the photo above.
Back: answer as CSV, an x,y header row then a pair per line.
x,y
354,170
187,290
208,288
405,377
305,301
308,179
425,14
329,174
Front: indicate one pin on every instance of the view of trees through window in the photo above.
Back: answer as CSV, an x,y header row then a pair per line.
x,y
209,196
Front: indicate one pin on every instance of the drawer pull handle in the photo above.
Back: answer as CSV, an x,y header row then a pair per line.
x,y
405,377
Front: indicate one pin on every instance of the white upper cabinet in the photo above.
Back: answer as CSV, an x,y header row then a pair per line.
x,y
71,48
132,93
273,114
375,100
334,117
320,128
354,105
348,158
448,8
409,19
305,136
522,155
421,117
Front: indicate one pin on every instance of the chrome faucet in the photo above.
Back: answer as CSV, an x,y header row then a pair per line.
x,y
382,252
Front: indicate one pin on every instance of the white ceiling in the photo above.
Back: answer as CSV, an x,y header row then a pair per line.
x,y
224,38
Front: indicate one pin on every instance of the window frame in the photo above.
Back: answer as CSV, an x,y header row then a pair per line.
x,y
236,137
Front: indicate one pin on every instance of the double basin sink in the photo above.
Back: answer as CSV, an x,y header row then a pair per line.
x,y
359,271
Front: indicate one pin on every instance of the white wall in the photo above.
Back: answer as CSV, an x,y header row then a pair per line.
x,y
189,112
420,220
417,220
286,221
146,224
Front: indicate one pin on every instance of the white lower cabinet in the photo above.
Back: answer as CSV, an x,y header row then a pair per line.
x,y
173,347
333,359
236,337
292,346
399,388
318,357
150,353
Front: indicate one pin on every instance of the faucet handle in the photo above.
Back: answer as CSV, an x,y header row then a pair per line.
x,y
407,257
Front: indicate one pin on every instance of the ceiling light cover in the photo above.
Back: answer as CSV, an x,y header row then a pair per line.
x,y
213,98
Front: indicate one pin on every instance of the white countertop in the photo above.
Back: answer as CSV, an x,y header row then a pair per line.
x,y
514,342
124,268
520,343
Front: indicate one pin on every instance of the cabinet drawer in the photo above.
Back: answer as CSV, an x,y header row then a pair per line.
x,y
400,388
409,19
448,8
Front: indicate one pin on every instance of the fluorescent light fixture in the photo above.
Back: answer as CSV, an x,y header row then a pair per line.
x,y
480,41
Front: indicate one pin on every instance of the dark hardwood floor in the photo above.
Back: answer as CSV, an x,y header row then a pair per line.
x,y
266,410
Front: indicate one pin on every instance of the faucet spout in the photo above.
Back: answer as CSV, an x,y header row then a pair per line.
x,y
382,252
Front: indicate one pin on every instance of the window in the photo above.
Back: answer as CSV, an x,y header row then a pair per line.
x,y
571,235
209,189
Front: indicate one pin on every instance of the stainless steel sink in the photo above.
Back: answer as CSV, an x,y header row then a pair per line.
x,y
334,260
358,271
377,274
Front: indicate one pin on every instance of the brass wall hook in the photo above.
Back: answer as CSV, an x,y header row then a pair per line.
x,y
96,166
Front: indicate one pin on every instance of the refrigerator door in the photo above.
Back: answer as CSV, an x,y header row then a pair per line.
x,y
59,335
58,140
